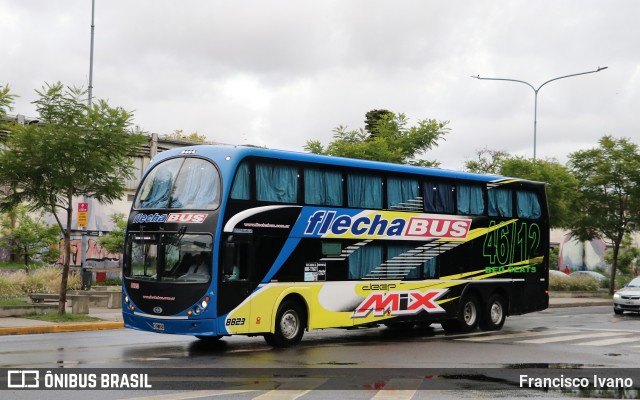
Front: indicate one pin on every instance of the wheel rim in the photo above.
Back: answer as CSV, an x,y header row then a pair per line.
x,y
289,324
496,313
469,313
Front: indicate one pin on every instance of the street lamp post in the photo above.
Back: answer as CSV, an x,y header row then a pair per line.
x,y
535,91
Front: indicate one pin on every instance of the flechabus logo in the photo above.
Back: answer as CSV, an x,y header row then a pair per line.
x,y
402,302
369,224
189,218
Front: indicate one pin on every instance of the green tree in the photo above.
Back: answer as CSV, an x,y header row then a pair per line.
x,y
373,118
179,134
77,151
390,140
487,162
6,100
627,257
114,241
30,237
608,202
561,185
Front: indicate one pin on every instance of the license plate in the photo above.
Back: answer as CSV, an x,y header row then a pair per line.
x,y
159,326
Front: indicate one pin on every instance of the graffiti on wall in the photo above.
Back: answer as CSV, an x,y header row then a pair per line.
x,y
96,255
577,255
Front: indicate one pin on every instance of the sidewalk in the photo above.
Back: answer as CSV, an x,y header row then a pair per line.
x,y
109,319
112,318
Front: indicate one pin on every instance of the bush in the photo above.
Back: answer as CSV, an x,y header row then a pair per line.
x,y
574,283
42,280
583,284
558,284
9,285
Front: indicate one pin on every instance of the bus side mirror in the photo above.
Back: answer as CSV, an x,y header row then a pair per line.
x,y
229,258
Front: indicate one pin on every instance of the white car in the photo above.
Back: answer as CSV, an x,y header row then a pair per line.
x,y
558,274
627,298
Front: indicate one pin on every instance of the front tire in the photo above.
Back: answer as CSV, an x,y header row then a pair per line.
x,y
290,325
494,314
468,318
617,311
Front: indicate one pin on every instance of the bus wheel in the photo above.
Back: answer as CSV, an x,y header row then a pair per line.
x,y
468,318
494,314
290,323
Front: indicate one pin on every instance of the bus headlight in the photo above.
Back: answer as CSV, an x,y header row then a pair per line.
x,y
197,310
203,304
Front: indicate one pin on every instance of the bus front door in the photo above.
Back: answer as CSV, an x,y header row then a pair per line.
x,y
235,285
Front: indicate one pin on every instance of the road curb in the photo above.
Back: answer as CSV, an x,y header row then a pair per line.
x,y
26,330
583,304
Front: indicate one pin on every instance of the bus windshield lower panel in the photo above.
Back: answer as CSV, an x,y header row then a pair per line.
x,y
168,257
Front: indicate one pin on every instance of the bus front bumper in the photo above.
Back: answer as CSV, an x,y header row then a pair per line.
x,y
176,326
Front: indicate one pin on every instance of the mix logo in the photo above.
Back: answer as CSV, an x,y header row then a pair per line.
x,y
405,302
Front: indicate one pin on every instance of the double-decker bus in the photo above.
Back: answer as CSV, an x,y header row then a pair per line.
x,y
225,240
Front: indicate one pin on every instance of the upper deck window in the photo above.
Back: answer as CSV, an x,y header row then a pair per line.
x,y
364,191
403,194
181,183
438,197
500,202
276,183
322,187
528,204
242,183
470,199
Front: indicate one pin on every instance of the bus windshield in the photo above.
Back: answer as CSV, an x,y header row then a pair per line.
x,y
180,183
169,256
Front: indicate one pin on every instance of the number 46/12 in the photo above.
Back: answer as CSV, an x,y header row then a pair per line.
x,y
511,243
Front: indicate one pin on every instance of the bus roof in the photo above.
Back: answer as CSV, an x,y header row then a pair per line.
x,y
240,152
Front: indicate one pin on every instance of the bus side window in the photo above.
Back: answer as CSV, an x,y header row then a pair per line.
x,y
528,204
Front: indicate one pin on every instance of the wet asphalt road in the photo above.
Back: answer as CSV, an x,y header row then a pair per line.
x,y
556,339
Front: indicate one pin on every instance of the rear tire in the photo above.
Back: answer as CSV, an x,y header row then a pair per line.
x,y
468,318
289,325
494,314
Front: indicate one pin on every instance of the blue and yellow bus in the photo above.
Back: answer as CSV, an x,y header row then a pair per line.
x,y
225,240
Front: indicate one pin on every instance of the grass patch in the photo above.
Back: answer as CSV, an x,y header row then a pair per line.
x,y
8,265
14,302
56,317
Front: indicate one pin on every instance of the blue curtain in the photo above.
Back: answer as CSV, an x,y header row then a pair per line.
x,y
500,202
400,192
428,267
241,187
364,260
276,183
528,205
395,250
364,191
438,197
322,187
158,184
470,200
197,185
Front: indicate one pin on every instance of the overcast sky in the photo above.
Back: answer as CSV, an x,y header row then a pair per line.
x,y
279,73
